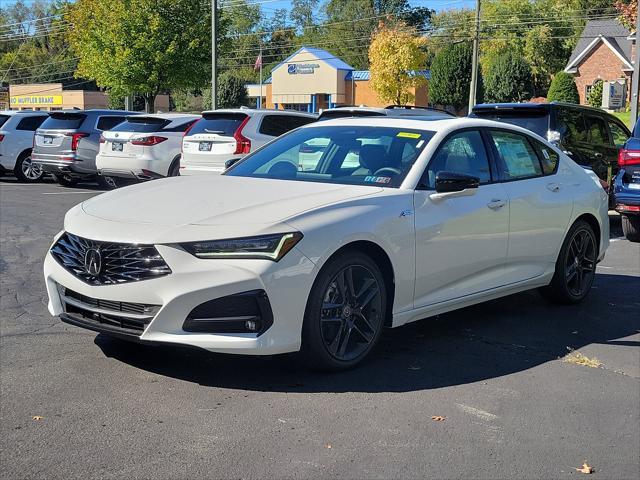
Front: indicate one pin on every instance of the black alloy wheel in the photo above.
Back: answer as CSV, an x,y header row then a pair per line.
x,y
345,313
575,267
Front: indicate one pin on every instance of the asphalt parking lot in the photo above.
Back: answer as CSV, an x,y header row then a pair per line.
x,y
79,405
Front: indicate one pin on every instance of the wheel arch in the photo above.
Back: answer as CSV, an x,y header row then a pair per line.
x,y
594,224
24,153
175,160
381,258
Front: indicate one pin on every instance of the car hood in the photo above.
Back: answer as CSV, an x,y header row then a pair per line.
x,y
228,205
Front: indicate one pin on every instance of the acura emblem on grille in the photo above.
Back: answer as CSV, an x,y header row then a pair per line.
x,y
107,263
93,261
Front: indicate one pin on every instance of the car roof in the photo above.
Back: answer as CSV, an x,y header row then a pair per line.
x,y
254,111
393,110
169,116
430,124
534,106
23,112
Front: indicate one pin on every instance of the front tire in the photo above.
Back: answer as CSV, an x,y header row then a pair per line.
x,y
345,312
27,171
631,227
575,267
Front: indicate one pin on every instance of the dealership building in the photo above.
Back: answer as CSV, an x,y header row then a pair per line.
x,y
312,79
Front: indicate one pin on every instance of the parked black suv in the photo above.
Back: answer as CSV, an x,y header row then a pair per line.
x,y
591,136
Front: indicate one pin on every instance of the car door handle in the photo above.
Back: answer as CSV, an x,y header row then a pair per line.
x,y
554,187
495,204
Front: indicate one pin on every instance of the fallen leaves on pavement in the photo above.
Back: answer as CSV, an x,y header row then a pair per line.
x,y
38,417
579,359
438,418
585,469
328,445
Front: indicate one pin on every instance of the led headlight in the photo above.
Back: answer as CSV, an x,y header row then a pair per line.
x,y
270,247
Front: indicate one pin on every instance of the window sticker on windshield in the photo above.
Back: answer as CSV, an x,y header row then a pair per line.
x,y
408,135
372,179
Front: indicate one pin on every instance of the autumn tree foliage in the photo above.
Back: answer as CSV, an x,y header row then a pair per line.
x,y
396,55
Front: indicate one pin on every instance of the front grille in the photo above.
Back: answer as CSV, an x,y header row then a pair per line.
x,y
108,315
107,263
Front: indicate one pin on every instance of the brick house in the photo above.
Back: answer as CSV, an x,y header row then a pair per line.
x,y
605,51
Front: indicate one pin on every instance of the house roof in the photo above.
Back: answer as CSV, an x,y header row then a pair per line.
x,y
320,54
611,33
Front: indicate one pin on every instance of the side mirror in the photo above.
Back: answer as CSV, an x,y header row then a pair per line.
x,y
230,163
447,182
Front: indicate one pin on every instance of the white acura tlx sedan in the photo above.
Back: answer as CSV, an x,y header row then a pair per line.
x,y
390,221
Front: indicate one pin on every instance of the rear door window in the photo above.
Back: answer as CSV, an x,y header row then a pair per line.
x,y
224,124
571,125
274,125
107,123
63,121
31,124
549,159
518,158
596,131
619,134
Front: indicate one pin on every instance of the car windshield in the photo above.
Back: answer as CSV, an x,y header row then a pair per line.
x,y
141,125
537,122
224,123
636,129
3,119
350,155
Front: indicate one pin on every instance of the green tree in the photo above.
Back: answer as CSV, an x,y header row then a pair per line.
x,y
232,92
142,46
595,94
395,55
563,89
350,24
451,76
508,79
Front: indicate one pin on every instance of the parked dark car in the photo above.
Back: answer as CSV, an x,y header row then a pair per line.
x,y
591,136
627,186
66,144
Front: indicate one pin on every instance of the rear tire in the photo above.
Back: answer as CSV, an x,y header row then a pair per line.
x,y
345,313
575,267
27,171
65,180
631,227
108,183
174,169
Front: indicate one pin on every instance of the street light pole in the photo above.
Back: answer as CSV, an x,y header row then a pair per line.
x,y
635,80
214,60
474,60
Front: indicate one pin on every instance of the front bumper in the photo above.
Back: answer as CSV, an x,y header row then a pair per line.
x,y
193,282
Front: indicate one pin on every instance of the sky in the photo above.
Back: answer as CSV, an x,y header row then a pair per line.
x,y
268,6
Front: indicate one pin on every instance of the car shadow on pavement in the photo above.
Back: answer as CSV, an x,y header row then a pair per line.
x,y
484,341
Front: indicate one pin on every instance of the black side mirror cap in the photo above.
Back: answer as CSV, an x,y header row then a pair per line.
x,y
455,182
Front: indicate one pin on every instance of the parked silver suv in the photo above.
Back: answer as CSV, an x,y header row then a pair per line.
x,y
67,143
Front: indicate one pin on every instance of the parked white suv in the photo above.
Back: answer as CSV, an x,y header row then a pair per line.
x,y
224,135
143,147
16,140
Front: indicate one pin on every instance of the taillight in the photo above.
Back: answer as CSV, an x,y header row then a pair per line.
x,y
628,157
1,137
243,144
148,141
102,139
75,138
186,132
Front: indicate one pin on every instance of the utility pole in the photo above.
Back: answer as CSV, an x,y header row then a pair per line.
x,y
635,80
474,60
214,60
